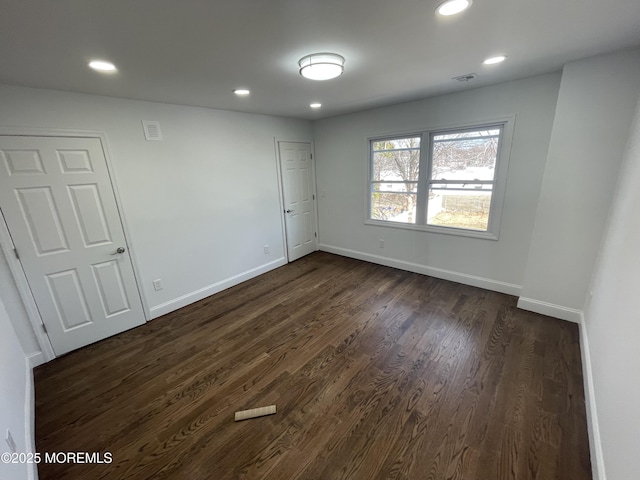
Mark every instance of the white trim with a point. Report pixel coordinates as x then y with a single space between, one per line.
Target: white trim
550 309
593 426
29 414
7 244
448 126
475 281
36 359
46 350
315 192
131 250
461 232
283 225
214 288
18 131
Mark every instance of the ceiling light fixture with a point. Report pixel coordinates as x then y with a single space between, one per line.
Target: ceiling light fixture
494 60
315 105
451 7
321 66
242 92
102 66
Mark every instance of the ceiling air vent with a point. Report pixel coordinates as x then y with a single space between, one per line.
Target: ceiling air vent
151 130
465 78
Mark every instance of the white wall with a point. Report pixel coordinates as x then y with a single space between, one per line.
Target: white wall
595 107
15 399
341 150
613 324
199 205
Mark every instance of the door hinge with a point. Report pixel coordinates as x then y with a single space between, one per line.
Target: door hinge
44 327
315 234
15 250
311 156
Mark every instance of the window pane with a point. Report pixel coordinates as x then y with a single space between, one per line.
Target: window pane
396 143
460 208
493 132
396 160
393 207
465 155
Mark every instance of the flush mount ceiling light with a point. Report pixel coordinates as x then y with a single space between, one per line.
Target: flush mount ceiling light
494 60
315 105
241 92
451 7
102 66
321 66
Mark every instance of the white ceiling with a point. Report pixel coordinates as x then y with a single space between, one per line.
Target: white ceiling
195 52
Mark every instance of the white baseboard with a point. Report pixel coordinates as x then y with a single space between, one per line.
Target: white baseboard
29 412
595 444
209 290
32 360
487 283
35 359
550 309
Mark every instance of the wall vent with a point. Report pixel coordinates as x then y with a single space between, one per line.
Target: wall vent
151 130
465 78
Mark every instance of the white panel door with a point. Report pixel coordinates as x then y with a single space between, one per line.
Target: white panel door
59 205
298 184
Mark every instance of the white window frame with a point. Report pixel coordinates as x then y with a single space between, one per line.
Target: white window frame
506 124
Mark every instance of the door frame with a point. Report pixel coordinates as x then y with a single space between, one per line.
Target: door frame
7 246
277 142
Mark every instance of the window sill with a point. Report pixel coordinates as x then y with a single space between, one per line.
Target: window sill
460 232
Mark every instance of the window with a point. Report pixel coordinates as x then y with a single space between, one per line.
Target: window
449 181
395 168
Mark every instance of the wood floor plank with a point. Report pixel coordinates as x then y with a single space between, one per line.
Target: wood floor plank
377 373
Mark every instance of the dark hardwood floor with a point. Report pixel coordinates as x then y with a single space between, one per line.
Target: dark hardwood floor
377 373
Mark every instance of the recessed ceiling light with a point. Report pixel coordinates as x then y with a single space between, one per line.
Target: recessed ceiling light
321 66
315 105
241 91
494 60
102 66
451 7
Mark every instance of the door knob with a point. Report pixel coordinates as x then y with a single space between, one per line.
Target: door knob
288 211
119 250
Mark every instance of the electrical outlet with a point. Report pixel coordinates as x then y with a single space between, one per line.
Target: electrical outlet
157 285
267 250
381 243
11 442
